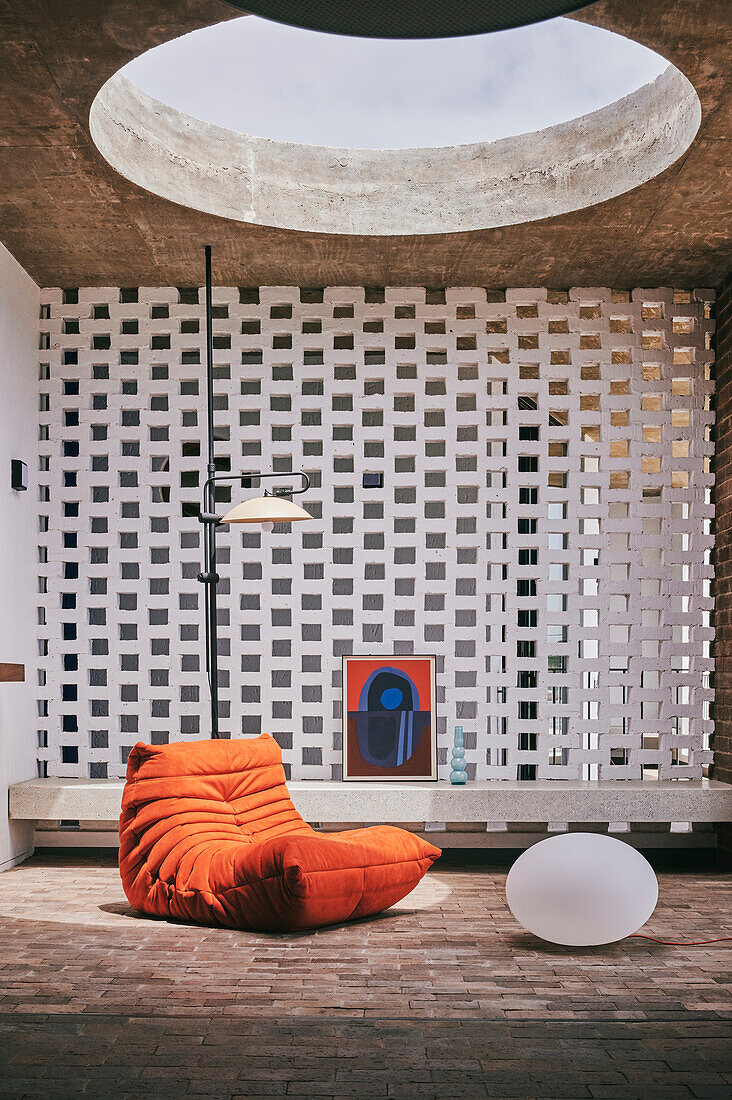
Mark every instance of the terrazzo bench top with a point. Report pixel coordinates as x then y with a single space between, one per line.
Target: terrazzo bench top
703 800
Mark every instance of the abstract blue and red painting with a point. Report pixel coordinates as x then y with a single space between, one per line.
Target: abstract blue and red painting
389 721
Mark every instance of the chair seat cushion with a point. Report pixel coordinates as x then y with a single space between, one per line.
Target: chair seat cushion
208 833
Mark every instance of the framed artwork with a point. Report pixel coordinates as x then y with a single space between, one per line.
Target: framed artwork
389 720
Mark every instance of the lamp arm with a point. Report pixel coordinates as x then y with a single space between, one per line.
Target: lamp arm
208 517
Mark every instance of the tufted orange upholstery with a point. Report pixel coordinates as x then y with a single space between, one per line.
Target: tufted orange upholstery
208 833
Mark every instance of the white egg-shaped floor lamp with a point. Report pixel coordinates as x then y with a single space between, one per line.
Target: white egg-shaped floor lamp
581 889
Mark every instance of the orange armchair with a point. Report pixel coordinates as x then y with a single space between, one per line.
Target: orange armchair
208 833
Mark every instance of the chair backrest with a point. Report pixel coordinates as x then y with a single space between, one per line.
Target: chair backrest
187 794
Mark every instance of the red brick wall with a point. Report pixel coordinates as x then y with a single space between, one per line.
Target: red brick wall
722 711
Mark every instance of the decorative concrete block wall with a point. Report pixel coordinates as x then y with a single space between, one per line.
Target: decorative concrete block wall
544 526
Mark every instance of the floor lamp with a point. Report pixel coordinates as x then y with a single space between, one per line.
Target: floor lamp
268 509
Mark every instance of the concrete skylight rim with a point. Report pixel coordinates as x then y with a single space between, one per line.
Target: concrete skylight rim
342 191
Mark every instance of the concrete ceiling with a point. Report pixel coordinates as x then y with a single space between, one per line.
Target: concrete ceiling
71 220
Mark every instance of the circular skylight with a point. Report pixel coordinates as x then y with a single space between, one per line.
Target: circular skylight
279 82
270 125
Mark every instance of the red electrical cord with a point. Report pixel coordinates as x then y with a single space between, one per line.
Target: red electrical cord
678 943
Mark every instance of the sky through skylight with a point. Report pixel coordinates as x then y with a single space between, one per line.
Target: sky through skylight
288 84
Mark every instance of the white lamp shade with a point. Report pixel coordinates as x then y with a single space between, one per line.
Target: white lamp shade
266 510
581 889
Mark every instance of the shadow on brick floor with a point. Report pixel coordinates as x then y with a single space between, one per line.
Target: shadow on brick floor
69 1056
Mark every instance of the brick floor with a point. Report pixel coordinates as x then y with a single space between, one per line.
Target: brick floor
444 996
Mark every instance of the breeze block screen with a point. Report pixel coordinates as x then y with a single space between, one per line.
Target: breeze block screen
543 524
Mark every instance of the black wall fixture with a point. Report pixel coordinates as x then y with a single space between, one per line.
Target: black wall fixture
18 475
407 18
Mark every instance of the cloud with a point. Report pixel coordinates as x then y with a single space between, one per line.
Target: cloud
294 85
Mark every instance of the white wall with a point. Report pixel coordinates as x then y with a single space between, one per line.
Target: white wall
19 306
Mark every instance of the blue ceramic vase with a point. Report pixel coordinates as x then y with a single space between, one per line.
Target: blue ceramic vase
459 774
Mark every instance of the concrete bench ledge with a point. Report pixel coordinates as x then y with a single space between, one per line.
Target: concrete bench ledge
572 801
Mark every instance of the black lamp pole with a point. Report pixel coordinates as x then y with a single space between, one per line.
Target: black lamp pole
209 577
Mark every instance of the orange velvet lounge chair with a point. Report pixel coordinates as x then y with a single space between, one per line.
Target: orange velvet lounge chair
208 834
